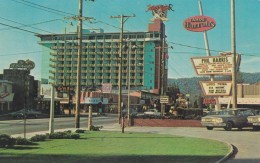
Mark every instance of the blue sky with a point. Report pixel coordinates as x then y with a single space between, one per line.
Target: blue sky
20 45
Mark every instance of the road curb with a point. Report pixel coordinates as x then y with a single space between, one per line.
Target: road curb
229 154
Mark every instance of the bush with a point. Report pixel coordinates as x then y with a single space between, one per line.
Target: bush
95 128
6 141
74 136
23 141
38 138
64 135
80 131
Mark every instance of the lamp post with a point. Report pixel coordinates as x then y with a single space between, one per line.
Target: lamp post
129 81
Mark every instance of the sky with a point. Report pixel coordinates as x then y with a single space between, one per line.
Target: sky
20 20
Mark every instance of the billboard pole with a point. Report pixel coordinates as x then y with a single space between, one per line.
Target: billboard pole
233 44
206 43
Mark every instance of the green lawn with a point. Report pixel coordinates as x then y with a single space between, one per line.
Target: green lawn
104 146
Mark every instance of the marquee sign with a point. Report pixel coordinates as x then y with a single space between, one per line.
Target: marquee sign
216 88
199 23
106 87
21 64
214 65
160 11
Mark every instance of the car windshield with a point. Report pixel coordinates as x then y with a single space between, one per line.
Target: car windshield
228 112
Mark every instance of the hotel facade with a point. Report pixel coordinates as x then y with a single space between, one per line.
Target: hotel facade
143 54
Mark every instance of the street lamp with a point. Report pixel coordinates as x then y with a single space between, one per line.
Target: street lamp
129 79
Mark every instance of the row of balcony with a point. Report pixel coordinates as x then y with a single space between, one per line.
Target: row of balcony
95 77
98 83
94 59
97 52
91 46
95 65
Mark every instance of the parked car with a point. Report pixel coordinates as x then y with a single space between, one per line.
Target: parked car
228 119
133 112
29 113
254 121
152 113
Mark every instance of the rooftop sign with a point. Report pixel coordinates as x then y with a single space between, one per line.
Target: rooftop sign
199 23
216 88
21 64
213 65
160 11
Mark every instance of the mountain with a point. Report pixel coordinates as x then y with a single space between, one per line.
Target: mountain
192 86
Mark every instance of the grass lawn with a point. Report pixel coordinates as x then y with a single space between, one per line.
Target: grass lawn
111 147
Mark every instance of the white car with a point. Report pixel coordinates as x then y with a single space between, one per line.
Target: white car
152 113
255 121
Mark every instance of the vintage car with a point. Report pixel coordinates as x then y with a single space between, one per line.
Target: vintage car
255 121
152 113
228 119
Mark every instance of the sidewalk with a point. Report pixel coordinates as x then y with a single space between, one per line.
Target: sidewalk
108 127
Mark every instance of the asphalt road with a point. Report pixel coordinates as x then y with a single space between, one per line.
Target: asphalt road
12 127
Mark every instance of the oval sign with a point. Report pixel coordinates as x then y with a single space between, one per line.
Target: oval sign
199 23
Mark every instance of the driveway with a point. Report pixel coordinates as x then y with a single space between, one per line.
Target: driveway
246 141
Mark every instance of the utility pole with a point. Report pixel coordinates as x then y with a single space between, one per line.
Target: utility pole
122 21
51 122
78 82
233 44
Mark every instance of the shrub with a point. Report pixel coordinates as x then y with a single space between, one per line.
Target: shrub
80 131
64 135
38 138
74 136
23 141
95 128
6 141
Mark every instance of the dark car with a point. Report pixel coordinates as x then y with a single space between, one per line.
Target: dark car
228 119
29 113
132 111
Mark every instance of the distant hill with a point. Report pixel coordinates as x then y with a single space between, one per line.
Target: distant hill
191 85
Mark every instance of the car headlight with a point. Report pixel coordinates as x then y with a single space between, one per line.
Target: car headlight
253 119
218 120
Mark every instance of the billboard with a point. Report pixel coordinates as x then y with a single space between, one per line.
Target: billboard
21 64
199 23
160 11
214 65
216 88
106 87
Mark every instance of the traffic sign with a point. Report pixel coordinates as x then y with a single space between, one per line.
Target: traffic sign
164 99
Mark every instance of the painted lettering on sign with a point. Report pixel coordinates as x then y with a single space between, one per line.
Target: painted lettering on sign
214 65
199 23
216 88
21 64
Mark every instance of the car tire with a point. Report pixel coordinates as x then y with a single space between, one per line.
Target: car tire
228 126
209 128
255 128
240 128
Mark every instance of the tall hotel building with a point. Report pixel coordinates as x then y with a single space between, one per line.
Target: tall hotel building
100 58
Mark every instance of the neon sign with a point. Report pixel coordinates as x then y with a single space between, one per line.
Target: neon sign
160 11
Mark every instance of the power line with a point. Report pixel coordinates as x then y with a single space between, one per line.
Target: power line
19 28
48 8
23 53
33 6
29 25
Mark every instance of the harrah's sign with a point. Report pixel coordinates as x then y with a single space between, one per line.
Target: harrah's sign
199 23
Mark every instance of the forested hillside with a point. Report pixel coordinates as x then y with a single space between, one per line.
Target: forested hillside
191 85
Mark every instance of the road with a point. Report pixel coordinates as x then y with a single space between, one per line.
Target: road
12 127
